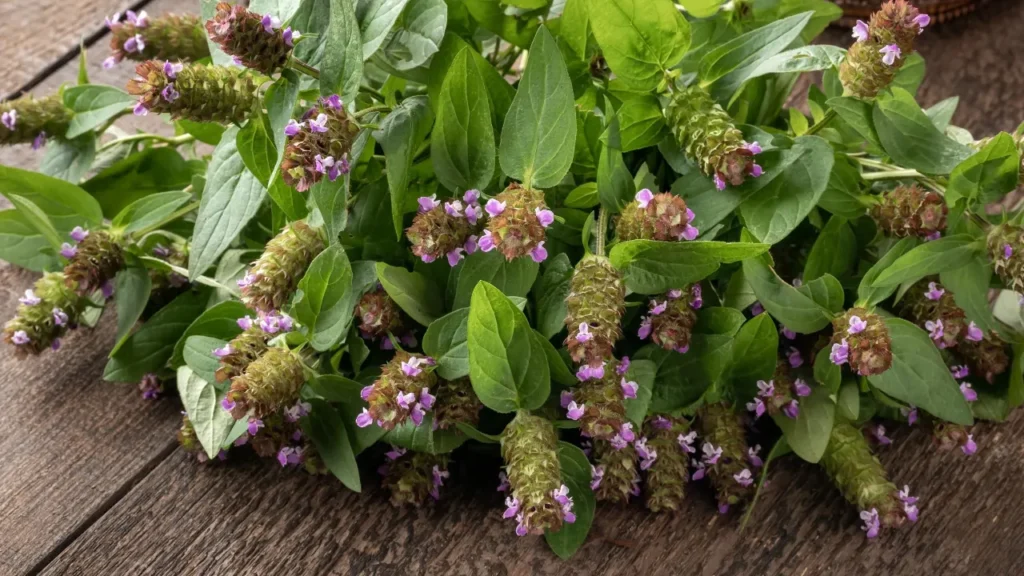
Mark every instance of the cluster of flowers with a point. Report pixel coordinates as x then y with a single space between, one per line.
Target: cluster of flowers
318 144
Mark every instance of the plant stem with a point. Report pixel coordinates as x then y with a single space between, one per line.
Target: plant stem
372 92
370 109
891 175
306 69
819 125
602 230
171 140
170 218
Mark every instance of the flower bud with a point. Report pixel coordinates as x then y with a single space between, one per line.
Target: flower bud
881 48
986 357
517 225
723 434
529 446
319 145
910 211
194 91
411 477
28 119
94 263
401 392
931 307
858 474
614 477
456 402
1006 251
862 339
272 279
256 41
663 217
602 400
668 474
442 229
151 387
44 315
269 384
707 135
167 37
671 319
241 351
595 305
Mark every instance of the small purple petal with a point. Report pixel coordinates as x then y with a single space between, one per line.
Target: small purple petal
539 253
969 447
629 389
801 389
494 208
39 141
20 337
974 334
30 298
68 251
861 31
856 325
840 353
545 217
889 54
644 197
364 419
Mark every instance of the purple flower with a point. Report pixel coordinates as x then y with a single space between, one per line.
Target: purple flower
545 217
364 419
584 334
756 170
961 371
889 54
861 31
934 291
9 119
494 208
454 256
471 196
135 44
645 328
55 345
343 166
246 280
254 426
647 455
160 251
675 294
922 20
969 394
933 236
365 392
744 477
20 337
719 182
30 298
169 93
879 434
969 447
394 453
453 209
270 23
411 367
539 253
626 432
1007 251
486 242
470 244
909 504
658 309
427 399
318 125
801 388
140 20
756 309
871 522
788 334
111 20
661 423
754 148
623 366
935 329
333 102
596 475
794 357
683 349
697 300
711 453
293 128
565 398
754 456
766 389
686 442
39 141
60 318
588 372
974 334
290 36
792 410
107 290
511 507
473 213
618 442
698 474
407 399
910 413
222 351
644 197
227 404
629 388
141 110
245 322
689 233
275 322
757 407
856 325
171 69
840 353
300 409
68 251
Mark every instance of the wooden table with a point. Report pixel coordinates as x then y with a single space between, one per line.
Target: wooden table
92 482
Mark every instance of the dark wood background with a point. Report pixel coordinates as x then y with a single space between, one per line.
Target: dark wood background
92 482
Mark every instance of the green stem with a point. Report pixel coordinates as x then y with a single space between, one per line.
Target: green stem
602 230
306 69
371 109
372 92
819 125
170 218
891 175
106 125
171 140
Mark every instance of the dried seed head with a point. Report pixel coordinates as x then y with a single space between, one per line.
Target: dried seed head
270 383
256 41
279 436
662 217
167 37
595 305
862 339
456 402
986 357
272 279
668 474
97 259
931 307
27 119
671 319
402 392
529 446
910 211
195 92
615 476
378 314
442 230
603 400
44 315
707 135
319 145
241 351
412 477
1006 251
721 428
517 225
881 48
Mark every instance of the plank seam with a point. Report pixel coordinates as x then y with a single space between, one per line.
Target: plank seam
104 507
68 56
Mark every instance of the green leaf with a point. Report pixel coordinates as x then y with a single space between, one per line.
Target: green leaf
92 106
345 392
560 372
416 37
640 39
848 400
491 16
218 321
477 435
199 398
326 429
498 89
969 285
539 135
149 211
65 204
804 59
36 218
399 135
507 365
582 196
942 112
826 373
280 102
462 144
987 175
909 137
151 346
834 252
856 113
331 199
206 132
809 433
842 195
139 175
131 293
446 342
550 292
342 68
785 303
22 245
69 159
514 278
424 438
867 293
412 291
283 9
576 476
652 267
643 372
231 198
826 291
198 355
730 64
324 307
615 186
575 26
754 352
911 74
919 376
256 147
947 253
376 17
641 123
